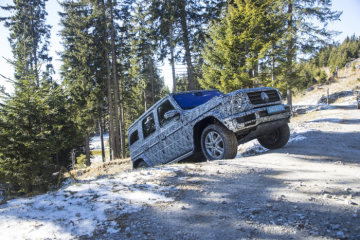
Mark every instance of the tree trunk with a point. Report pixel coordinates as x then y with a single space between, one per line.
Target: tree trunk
33 57
35 62
185 37
172 60
272 66
152 80
111 152
57 160
123 149
87 149
290 54
72 155
102 138
122 119
116 85
171 43
145 102
109 86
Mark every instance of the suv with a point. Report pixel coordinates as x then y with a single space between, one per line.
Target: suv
208 124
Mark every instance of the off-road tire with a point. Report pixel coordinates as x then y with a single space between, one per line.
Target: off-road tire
277 138
228 138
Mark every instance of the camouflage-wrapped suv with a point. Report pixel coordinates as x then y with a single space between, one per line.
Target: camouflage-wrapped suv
208 124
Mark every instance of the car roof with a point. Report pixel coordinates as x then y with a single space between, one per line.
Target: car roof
193 91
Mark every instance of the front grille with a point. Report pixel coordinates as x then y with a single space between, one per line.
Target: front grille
255 97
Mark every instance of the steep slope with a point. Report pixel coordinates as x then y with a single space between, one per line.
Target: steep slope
347 80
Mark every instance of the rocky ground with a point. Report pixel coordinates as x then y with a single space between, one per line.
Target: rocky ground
310 189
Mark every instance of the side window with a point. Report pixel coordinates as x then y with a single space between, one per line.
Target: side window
148 125
162 109
134 137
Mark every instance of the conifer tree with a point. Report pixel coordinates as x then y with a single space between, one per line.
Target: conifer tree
81 69
146 80
302 34
34 120
182 32
238 43
29 38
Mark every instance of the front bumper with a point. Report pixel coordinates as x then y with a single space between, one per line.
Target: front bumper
252 118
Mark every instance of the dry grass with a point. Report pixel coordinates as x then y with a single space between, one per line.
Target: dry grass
348 79
100 169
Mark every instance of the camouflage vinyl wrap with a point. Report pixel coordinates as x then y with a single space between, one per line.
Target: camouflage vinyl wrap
175 140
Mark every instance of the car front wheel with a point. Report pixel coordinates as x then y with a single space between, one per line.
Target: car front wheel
217 142
277 138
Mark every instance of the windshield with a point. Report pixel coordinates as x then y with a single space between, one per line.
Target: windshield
191 100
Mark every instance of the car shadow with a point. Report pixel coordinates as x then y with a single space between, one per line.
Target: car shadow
337 120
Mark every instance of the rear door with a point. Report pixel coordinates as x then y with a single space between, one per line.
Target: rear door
151 145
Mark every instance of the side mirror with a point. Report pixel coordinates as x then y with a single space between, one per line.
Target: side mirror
170 114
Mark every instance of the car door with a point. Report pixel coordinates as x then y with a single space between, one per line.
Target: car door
151 145
173 137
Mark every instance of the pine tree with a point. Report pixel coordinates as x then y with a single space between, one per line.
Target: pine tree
302 35
182 31
238 43
29 38
35 124
80 70
144 72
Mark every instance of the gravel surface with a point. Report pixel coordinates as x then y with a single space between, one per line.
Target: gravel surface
310 189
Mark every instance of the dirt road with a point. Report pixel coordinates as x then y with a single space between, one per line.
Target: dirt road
310 189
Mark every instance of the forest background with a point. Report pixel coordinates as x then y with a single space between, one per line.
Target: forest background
107 70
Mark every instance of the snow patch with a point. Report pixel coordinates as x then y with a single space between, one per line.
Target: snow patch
250 149
95 141
297 138
80 209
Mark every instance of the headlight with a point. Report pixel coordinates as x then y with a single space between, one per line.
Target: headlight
236 103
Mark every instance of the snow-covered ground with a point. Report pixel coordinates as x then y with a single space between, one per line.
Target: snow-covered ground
95 142
81 209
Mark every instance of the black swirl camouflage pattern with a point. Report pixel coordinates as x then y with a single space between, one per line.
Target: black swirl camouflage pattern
242 111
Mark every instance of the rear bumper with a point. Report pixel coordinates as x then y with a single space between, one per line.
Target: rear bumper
244 121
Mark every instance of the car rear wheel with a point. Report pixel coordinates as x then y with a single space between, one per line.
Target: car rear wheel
142 164
277 138
217 142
